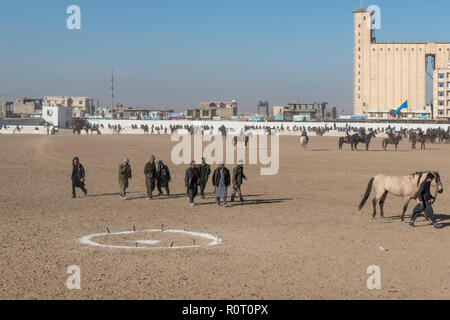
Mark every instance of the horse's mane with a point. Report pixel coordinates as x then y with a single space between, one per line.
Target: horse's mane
420 174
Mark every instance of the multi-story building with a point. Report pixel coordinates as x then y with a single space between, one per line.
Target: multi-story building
211 110
441 93
81 106
388 74
6 109
301 111
262 108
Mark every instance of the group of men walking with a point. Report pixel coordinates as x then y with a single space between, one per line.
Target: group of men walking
198 176
157 176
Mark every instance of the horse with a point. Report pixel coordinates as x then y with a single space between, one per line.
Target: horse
391 140
304 140
343 140
400 186
355 139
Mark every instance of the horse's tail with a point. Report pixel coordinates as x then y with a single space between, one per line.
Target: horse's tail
341 142
367 194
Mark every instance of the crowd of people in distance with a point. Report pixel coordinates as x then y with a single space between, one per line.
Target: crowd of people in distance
157 176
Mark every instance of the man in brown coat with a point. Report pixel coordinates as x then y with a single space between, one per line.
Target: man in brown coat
124 175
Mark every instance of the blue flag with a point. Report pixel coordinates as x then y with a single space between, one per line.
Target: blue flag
403 106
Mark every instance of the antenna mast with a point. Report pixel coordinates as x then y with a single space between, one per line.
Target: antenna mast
112 88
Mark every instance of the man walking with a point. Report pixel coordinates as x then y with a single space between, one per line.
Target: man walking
238 177
191 181
78 176
124 175
426 200
221 181
150 176
162 177
205 171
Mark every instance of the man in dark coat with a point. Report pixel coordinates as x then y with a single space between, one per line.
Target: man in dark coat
150 176
238 177
124 175
78 176
162 177
426 200
191 181
221 181
205 171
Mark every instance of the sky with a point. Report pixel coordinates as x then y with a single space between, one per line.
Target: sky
176 53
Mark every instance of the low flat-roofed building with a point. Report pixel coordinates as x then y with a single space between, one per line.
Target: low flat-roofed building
425 114
147 114
25 107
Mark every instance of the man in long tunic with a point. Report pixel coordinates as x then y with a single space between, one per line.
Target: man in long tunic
221 181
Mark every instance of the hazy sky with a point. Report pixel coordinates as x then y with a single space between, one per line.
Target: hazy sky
175 53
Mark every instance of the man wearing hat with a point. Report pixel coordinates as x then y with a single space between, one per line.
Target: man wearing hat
150 176
191 181
205 171
221 181
78 175
238 177
124 175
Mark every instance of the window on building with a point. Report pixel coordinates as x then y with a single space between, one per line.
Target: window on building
441 84
441 103
441 93
441 112
441 76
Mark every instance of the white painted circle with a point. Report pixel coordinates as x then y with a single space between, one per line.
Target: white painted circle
89 239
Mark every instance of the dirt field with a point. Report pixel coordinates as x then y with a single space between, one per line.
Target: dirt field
297 236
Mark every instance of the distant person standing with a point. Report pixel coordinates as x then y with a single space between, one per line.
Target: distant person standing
150 176
78 177
238 177
191 181
425 203
221 181
162 177
124 175
205 171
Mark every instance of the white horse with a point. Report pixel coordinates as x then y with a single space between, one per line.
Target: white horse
304 141
404 186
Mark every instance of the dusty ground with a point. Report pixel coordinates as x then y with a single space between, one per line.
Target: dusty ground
298 236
